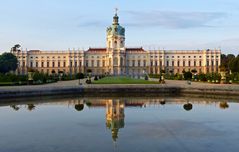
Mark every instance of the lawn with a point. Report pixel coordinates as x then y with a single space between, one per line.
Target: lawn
122 80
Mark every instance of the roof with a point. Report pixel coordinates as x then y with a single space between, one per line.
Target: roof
96 50
135 49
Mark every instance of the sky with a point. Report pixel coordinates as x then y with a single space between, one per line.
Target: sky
152 24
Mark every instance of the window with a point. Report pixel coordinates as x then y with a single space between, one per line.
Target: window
139 63
160 63
212 63
42 64
92 63
194 56
59 64
184 63
23 64
178 63
133 63
172 63
207 63
48 64
103 63
151 63
70 63
98 63
31 64
53 64
189 56
156 63
75 64
200 63
216 63
80 64
194 63
167 63
64 64
86 63
144 63
37 64
189 63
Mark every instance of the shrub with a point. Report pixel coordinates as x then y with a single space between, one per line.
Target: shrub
88 81
96 78
188 75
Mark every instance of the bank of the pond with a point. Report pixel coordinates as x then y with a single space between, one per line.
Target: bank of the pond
171 87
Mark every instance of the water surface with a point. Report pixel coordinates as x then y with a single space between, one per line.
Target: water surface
136 124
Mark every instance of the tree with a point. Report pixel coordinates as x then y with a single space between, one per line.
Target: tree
16 48
81 76
234 64
8 62
187 75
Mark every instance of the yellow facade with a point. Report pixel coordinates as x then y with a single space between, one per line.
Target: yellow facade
116 59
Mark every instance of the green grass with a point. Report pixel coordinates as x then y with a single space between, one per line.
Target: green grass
122 80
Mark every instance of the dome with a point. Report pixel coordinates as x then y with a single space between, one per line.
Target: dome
115 28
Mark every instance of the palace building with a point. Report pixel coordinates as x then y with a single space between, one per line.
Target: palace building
117 59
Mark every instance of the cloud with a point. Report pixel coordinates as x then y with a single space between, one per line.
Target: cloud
173 19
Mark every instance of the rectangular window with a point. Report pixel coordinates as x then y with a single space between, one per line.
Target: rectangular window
184 63
212 63
37 64
86 63
42 64
98 63
200 63
80 64
172 63
144 63
195 63
178 63
151 63
189 63
75 63
59 64
53 64
216 63
167 63
92 63
23 64
103 63
207 63
31 64
161 63
64 64
139 63
48 64
156 63
70 63
133 64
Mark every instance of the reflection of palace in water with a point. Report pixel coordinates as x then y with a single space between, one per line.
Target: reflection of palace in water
115 107
115 116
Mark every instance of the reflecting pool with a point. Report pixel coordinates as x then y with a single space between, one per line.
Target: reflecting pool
133 124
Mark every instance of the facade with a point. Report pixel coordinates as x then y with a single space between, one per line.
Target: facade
117 59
